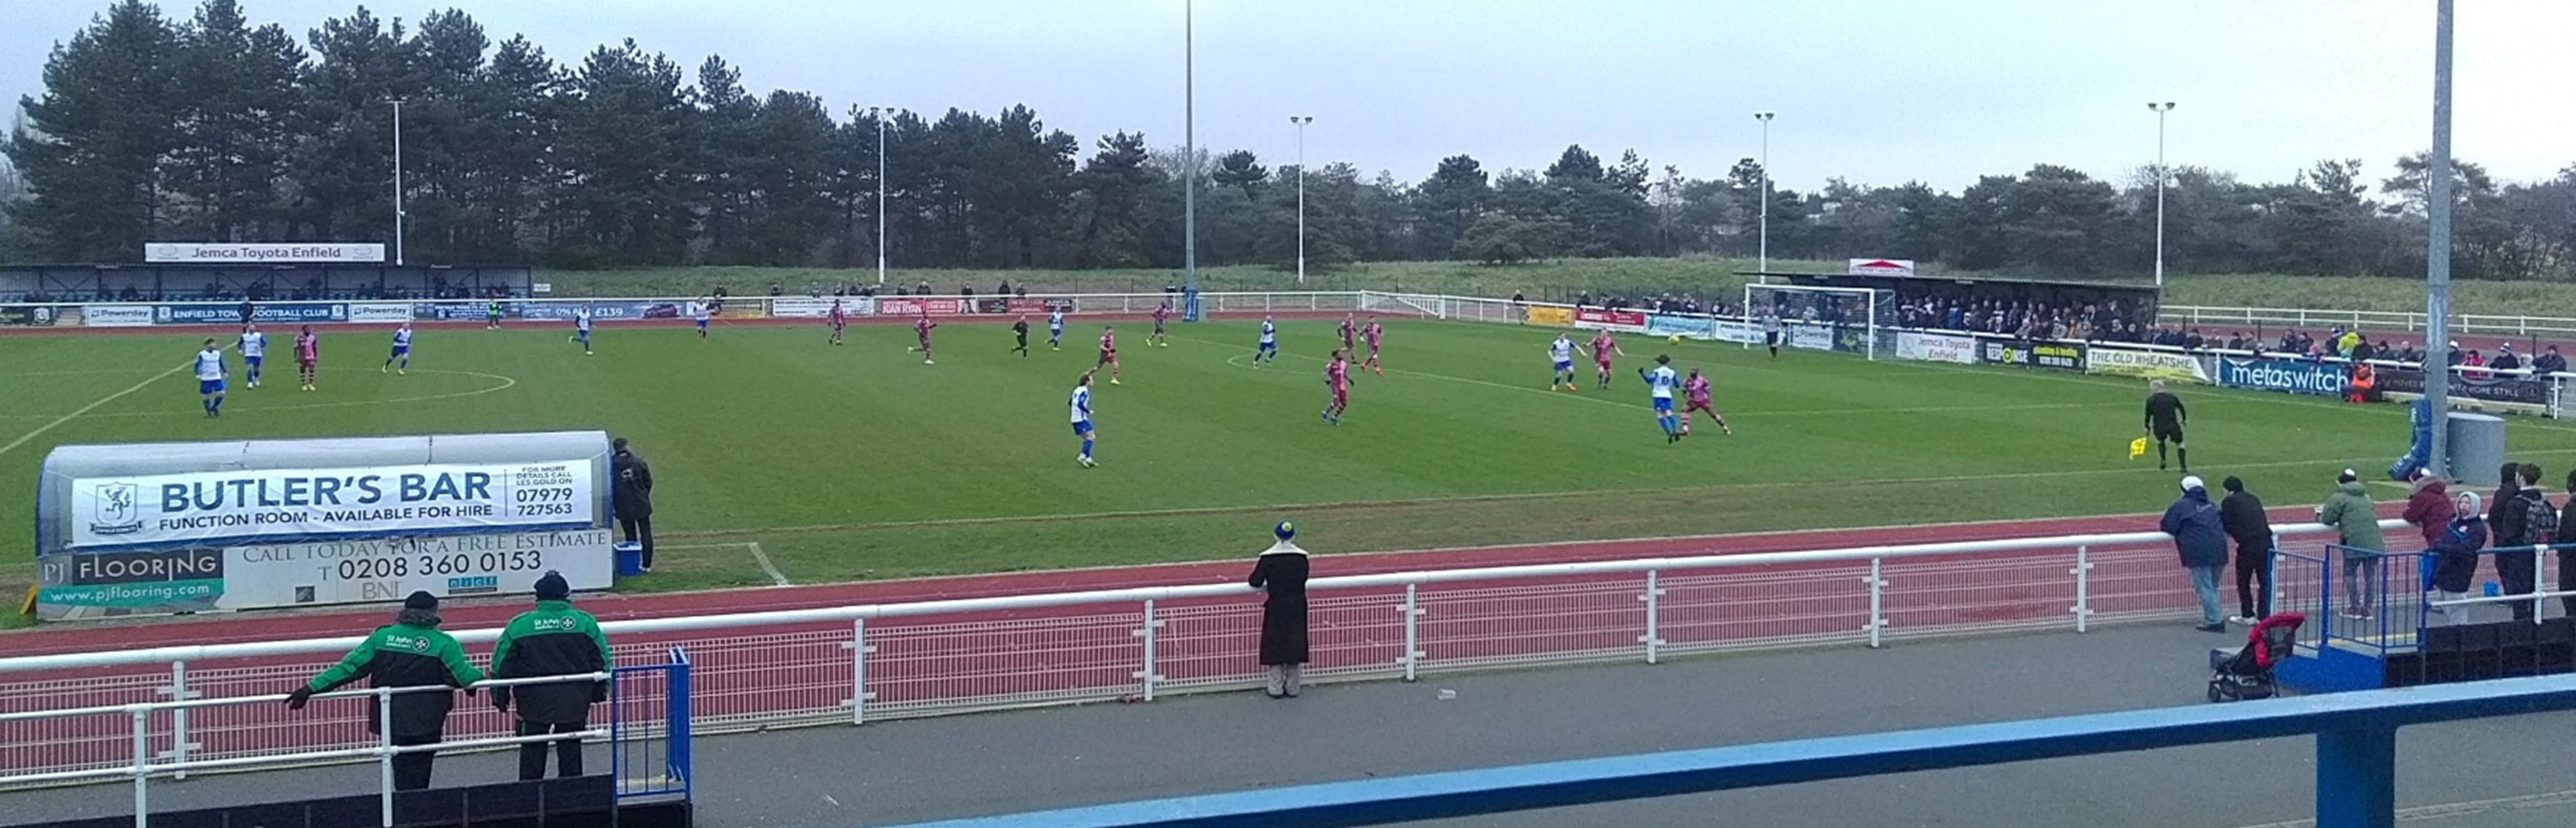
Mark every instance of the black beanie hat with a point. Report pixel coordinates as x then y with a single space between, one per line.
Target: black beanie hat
421 600
2232 484
552 587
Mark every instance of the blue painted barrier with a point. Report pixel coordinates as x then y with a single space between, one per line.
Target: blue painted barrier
2356 762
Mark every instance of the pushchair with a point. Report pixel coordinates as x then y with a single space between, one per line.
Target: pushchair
2248 675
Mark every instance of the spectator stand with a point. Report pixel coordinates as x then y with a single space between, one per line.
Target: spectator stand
2030 309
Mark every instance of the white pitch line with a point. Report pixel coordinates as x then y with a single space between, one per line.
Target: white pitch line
776 578
57 421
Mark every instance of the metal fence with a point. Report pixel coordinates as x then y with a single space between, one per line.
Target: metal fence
851 664
648 731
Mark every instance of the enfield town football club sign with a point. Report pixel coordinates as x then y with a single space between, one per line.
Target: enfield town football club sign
1882 267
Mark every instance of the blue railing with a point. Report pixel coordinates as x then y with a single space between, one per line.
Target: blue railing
2356 762
649 749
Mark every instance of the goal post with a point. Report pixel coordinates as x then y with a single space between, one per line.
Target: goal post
1856 320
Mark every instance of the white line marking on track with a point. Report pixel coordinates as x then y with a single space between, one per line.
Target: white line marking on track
776 578
2457 809
57 421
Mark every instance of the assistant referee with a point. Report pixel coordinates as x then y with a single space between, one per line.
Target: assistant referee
2165 418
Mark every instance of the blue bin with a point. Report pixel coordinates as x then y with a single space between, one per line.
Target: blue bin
630 559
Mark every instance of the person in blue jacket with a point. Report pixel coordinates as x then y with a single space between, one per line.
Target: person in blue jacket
2193 522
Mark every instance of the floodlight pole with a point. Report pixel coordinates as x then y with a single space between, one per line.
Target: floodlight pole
2161 175
1301 121
1189 163
398 183
1763 264
881 189
2437 251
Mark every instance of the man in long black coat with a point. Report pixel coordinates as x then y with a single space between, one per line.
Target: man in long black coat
631 495
1281 573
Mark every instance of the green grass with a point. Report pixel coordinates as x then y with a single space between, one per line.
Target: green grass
1562 278
860 462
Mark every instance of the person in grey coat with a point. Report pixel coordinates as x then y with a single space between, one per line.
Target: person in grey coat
2194 523
1281 574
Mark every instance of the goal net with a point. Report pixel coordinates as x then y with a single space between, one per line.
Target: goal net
1854 320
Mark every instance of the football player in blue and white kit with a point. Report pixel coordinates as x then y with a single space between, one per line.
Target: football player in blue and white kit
1269 351
1561 352
402 350
1055 331
1081 405
254 348
1660 383
581 328
702 310
210 378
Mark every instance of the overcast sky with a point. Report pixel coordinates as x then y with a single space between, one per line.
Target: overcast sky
1878 92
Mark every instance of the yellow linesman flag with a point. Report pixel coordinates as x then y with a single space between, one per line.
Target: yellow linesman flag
2137 448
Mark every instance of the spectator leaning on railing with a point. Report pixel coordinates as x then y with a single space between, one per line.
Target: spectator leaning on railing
411 652
2351 513
2200 536
552 640
2549 362
2241 514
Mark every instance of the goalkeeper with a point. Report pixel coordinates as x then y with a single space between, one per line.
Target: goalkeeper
2164 422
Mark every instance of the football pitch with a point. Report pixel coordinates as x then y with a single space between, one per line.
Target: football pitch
860 462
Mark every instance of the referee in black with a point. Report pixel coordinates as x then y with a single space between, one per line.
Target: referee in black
2165 418
1020 328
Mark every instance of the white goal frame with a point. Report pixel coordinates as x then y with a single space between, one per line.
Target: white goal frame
1876 300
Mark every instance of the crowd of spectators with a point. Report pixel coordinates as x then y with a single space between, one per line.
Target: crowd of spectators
1671 303
2108 320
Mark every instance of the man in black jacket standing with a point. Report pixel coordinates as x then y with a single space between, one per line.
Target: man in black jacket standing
552 640
2242 515
633 497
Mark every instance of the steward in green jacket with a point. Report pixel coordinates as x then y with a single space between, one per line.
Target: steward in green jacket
411 652
552 640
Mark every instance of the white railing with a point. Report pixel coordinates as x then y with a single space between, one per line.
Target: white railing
141 763
2462 324
852 663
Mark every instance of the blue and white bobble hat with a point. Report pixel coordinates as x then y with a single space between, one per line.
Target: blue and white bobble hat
1286 530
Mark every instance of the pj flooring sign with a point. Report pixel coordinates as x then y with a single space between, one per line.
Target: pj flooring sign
280 505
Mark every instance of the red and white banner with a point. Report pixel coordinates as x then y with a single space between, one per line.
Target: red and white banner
1882 267
1623 321
907 306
